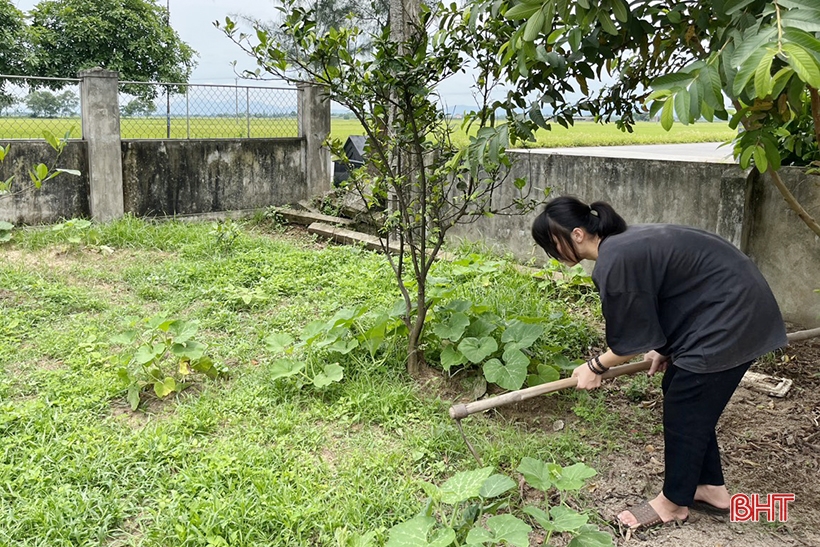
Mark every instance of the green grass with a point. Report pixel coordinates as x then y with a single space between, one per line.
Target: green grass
242 461
581 134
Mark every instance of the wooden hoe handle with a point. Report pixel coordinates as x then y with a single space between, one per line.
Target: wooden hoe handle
458 412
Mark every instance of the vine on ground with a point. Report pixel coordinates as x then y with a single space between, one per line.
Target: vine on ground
162 355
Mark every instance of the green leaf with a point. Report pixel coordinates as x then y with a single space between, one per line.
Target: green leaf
451 357
565 519
51 139
464 485
731 6
133 396
182 330
574 476
753 41
804 39
591 538
125 338
145 353
803 64
415 531
694 100
509 529
619 8
191 349
800 4
278 342
496 485
746 157
772 153
165 387
534 26
508 377
747 70
433 492
454 328
803 19
282 368
334 372
41 170
761 162
535 473
514 357
545 373
542 518
715 87
606 23
676 80
479 536
682 102
763 75
667 114
524 334
478 349
483 325
522 11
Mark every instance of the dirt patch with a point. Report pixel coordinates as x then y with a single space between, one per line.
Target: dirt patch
768 445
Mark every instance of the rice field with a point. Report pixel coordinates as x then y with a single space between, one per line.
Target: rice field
582 134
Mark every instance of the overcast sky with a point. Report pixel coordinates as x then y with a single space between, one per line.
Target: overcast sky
193 20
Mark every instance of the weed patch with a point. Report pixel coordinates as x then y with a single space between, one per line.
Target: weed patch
250 459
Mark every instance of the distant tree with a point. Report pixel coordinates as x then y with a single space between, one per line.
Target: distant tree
12 49
139 106
45 104
132 37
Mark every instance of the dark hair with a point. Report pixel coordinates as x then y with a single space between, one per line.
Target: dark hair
564 214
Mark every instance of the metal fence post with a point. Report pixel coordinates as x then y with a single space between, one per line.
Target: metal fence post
101 129
187 112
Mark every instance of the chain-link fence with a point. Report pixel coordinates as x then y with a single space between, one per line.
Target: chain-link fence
29 106
205 111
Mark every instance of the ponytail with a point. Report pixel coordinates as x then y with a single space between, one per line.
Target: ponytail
564 214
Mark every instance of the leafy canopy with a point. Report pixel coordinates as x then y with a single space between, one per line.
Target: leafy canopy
132 37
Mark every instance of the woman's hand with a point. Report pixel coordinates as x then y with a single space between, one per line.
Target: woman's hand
586 378
659 362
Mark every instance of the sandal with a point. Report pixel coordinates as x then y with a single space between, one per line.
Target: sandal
708 508
648 518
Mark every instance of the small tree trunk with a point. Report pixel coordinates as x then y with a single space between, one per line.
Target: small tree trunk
793 203
415 355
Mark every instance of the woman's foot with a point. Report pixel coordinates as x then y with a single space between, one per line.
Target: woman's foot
716 496
666 510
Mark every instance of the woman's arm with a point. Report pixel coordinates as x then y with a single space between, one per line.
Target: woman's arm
587 379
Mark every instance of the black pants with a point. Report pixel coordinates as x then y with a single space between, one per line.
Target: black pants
692 405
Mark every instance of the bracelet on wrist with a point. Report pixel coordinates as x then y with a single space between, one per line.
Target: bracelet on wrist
601 367
594 369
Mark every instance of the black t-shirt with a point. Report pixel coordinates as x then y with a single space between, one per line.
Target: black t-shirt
688 294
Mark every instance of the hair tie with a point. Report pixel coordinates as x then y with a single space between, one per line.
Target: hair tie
593 211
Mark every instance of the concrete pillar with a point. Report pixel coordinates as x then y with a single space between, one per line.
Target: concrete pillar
314 127
733 207
101 129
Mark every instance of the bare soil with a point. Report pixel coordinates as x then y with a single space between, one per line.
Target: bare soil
768 445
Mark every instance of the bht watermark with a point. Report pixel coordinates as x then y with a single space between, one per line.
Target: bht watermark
774 507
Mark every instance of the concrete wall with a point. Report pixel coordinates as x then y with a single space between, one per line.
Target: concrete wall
717 197
65 196
202 176
785 250
169 177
